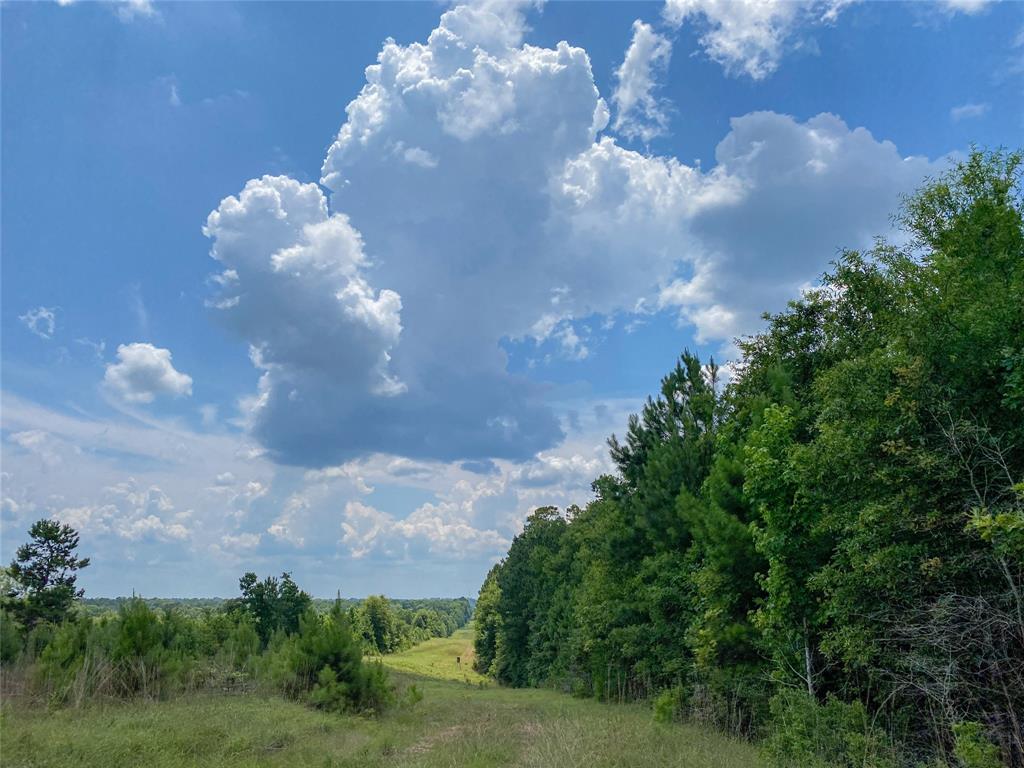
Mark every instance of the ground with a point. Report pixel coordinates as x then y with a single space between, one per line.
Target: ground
462 722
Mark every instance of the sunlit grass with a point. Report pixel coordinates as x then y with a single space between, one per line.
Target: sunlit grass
443 658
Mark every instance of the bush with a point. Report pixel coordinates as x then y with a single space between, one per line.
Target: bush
138 652
835 734
669 705
153 653
973 749
323 663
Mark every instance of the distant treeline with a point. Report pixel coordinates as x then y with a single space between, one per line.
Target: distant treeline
274 636
827 552
385 624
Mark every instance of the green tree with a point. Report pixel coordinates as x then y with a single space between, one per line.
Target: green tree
381 625
273 604
44 571
487 622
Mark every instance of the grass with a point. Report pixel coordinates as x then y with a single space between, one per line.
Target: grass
458 724
443 658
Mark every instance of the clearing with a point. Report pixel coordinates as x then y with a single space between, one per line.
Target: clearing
462 722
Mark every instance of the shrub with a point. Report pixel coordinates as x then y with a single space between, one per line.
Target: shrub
137 652
669 705
323 663
973 749
835 734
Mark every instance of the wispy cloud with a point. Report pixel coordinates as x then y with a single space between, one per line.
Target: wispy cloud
969 111
639 113
42 321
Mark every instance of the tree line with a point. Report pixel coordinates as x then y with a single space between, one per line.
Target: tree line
273 636
827 552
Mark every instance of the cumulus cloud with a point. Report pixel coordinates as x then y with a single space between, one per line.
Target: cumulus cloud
551 469
131 512
429 529
834 187
750 37
142 372
639 113
286 526
473 201
42 321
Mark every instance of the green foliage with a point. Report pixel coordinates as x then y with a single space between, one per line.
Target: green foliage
831 735
139 651
273 605
382 630
10 638
844 519
973 749
323 663
487 624
43 574
670 705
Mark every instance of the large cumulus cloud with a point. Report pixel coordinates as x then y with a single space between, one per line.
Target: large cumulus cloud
472 199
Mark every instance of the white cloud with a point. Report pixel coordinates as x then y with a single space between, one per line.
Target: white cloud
549 469
130 10
969 111
835 187
42 321
50 449
294 289
430 529
639 113
133 487
240 541
225 478
130 512
142 372
968 7
750 37
377 317
285 526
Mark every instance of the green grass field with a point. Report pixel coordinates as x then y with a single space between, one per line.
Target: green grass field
459 723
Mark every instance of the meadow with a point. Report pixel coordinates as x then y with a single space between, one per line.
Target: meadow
461 720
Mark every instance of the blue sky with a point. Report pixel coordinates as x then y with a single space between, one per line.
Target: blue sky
264 308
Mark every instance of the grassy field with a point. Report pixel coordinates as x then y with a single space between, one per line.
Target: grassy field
458 724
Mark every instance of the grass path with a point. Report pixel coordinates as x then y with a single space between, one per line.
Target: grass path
443 658
458 724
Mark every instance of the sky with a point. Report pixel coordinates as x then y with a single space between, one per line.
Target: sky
348 289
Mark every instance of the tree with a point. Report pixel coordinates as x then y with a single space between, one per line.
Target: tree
487 624
381 624
273 604
44 571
